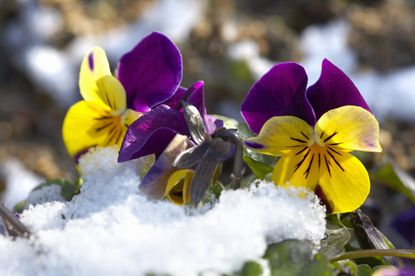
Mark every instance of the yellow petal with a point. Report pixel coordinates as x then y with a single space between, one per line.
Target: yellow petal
98 85
280 135
87 125
298 169
349 128
345 186
178 187
130 116
112 93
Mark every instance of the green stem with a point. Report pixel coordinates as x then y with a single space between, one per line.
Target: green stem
367 253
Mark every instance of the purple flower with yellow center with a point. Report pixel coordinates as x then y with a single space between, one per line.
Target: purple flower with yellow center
313 130
147 76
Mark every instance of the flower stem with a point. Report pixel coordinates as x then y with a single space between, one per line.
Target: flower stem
367 253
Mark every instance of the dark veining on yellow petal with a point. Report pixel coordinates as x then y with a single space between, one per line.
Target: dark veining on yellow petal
305 136
307 172
334 159
306 147
298 140
335 151
302 161
328 165
331 136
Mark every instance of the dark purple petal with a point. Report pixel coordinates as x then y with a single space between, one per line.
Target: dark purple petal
280 92
195 96
152 132
405 225
175 101
151 72
333 89
155 182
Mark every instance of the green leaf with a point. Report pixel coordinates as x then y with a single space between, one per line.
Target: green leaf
363 270
396 179
251 268
244 131
258 168
320 266
288 257
333 244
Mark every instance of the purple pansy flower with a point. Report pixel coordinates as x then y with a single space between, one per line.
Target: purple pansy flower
283 91
313 130
153 131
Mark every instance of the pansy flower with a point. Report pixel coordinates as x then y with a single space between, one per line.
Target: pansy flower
147 76
153 131
313 130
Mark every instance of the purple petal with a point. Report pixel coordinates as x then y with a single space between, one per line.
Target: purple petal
175 101
152 132
280 92
151 72
333 89
155 181
197 98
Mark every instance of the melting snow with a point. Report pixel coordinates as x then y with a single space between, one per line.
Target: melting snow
110 228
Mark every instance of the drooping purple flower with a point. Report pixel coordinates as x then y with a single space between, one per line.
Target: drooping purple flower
283 91
151 72
153 131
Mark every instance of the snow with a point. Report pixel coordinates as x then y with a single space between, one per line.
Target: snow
110 228
19 182
388 95
55 71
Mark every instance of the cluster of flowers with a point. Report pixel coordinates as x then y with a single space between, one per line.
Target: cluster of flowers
144 110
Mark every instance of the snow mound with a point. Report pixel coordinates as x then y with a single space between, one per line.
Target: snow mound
110 228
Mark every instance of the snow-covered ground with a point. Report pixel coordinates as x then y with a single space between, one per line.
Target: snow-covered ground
110 228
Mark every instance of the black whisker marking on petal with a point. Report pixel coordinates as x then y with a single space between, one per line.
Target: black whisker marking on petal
98 129
102 118
295 146
335 144
302 133
331 136
319 161
337 163
321 135
112 133
302 161
327 164
301 150
335 151
298 140
307 172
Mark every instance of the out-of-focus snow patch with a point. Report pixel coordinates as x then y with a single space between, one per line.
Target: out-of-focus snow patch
110 228
387 94
327 41
19 182
52 69
248 51
56 71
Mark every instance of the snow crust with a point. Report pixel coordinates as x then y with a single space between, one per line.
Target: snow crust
19 182
110 228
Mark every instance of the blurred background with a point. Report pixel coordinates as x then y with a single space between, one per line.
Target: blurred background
227 43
